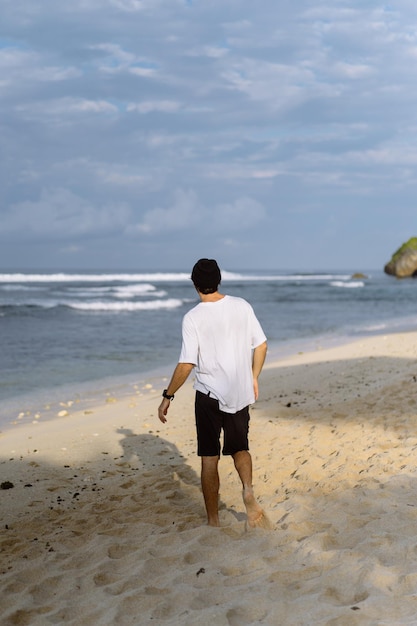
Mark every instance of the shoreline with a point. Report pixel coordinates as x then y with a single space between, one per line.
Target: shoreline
47 404
105 520
51 403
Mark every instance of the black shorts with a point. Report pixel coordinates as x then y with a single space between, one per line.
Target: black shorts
210 421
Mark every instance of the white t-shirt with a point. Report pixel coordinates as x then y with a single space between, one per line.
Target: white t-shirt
219 338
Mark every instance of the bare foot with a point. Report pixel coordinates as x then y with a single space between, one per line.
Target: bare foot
257 517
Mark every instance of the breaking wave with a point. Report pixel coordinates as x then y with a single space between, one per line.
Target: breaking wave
98 305
349 285
160 277
116 307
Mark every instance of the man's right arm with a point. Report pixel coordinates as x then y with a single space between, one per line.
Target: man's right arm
180 375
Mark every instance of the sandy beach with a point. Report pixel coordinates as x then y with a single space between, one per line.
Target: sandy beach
102 517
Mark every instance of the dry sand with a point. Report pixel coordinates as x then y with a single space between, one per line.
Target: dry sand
105 522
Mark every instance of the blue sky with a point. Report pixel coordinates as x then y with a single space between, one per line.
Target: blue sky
143 134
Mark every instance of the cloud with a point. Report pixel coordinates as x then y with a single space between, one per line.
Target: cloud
136 117
276 85
17 65
115 59
187 213
63 108
129 5
353 70
241 214
163 106
62 214
184 214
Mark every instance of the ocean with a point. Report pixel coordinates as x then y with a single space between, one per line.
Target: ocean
79 335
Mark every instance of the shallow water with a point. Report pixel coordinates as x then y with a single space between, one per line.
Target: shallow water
63 334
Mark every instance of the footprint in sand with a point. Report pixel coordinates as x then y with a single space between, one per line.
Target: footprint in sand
23 617
119 552
243 616
104 578
344 597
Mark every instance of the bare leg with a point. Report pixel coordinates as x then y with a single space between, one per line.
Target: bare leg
210 484
255 514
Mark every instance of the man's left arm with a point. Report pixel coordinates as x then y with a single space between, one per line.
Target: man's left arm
258 360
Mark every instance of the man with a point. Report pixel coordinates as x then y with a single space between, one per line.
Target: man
223 340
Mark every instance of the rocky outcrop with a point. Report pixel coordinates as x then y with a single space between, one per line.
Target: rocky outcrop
403 262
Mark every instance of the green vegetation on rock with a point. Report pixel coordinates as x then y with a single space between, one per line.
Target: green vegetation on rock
411 244
403 262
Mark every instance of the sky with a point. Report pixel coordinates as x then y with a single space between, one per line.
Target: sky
145 134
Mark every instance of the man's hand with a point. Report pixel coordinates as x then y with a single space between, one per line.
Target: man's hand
163 410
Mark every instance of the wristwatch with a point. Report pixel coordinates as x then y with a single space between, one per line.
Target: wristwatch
165 395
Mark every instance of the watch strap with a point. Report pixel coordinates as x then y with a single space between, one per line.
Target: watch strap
166 395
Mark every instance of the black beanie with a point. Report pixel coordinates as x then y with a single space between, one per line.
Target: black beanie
206 274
